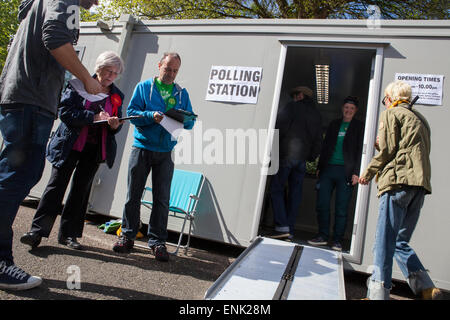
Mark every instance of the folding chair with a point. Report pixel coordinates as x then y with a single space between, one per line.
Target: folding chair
184 195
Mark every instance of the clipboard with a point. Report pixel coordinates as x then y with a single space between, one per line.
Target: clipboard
180 115
120 119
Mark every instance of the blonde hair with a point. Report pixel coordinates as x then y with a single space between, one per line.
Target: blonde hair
398 90
109 59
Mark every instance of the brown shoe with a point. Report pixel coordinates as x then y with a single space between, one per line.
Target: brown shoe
432 294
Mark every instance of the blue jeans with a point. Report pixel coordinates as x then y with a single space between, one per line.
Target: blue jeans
333 176
141 163
25 130
398 215
285 213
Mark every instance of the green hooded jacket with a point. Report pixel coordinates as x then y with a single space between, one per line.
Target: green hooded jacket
404 151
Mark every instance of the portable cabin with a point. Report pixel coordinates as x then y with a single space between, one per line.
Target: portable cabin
238 74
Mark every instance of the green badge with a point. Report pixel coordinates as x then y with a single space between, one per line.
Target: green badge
171 102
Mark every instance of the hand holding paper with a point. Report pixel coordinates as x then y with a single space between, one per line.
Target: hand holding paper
102 116
158 116
79 87
114 122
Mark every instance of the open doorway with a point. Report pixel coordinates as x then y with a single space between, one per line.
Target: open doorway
350 73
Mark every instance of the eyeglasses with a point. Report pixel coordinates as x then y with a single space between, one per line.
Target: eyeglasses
384 100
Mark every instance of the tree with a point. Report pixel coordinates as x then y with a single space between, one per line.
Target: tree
251 9
275 9
8 25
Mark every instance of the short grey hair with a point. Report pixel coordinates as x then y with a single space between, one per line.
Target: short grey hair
109 59
398 90
170 54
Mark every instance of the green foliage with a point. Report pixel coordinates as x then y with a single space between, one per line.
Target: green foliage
8 25
254 9
274 9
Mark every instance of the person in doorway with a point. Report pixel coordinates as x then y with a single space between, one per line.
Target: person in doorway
79 145
30 88
338 169
152 150
403 172
300 133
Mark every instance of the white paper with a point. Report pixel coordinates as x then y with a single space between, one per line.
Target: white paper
234 84
172 126
427 86
79 87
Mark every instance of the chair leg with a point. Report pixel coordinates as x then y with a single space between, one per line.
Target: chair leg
180 238
189 234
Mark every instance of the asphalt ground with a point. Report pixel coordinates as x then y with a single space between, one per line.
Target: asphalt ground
98 273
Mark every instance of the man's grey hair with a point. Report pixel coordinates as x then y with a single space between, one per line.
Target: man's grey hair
170 54
109 59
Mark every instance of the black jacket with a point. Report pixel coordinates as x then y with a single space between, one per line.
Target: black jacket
300 129
352 146
74 117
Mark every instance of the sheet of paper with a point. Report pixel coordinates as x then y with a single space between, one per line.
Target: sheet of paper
172 126
79 87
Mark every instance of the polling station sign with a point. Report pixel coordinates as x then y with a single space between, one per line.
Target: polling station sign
427 86
234 84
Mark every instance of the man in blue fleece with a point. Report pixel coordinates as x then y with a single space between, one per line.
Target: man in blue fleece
30 88
152 150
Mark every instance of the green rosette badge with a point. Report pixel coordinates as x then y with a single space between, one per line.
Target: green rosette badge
171 102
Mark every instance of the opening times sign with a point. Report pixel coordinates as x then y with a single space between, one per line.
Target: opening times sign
427 86
234 84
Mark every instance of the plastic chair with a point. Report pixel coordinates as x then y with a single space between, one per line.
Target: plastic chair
185 190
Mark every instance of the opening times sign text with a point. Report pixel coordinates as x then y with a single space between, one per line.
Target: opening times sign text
427 86
234 84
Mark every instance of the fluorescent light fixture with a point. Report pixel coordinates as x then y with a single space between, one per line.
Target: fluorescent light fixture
322 82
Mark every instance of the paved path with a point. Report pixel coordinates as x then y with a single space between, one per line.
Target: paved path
106 275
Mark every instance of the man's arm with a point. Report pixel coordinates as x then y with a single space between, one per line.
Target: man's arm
68 59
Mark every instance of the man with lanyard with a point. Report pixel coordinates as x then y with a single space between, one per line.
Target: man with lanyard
152 149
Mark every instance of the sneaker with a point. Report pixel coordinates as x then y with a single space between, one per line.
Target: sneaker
123 245
32 239
279 235
318 241
336 246
14 278
432 294
160 252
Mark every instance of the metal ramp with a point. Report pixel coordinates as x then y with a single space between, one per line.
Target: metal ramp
277 270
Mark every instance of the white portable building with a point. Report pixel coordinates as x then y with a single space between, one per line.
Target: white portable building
238 74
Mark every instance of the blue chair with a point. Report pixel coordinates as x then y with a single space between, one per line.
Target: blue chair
185 190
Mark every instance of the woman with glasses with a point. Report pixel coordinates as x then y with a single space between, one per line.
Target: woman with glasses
403 170
79 146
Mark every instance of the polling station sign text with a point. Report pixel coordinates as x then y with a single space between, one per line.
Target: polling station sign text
234 84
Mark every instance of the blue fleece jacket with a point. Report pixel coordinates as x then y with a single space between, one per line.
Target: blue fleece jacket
147 100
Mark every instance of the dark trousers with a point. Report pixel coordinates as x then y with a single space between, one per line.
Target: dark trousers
140 164
285 212
25 130
72 217
333 177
